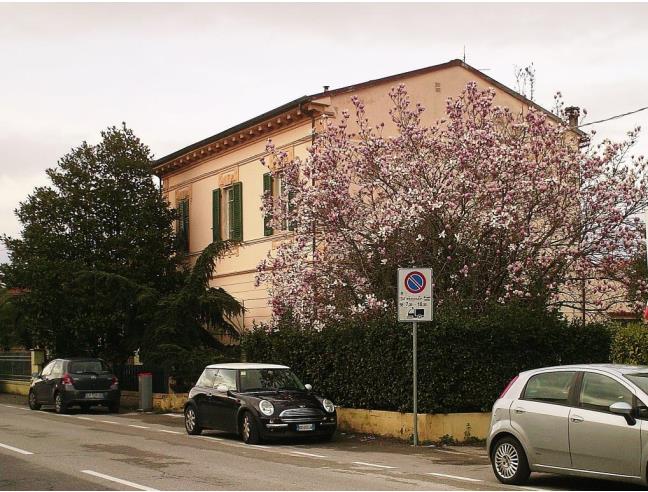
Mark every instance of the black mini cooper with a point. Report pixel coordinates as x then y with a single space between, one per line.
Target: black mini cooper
257 401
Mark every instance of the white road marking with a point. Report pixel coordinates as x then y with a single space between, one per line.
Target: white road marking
450 452
17 450
109 422
117 480
138 426
169 432
372 464
455 477
208 438
308 454
173 414
60 414
85 418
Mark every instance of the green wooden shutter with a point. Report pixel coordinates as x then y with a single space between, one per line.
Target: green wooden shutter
216 215
267 187
236 212
183 224
291 209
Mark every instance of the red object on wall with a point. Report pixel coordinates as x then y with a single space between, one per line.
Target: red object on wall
645 313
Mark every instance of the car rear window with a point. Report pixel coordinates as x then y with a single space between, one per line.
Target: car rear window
82 366
549 387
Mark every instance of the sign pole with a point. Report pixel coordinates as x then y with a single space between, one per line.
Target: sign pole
414 305
415 390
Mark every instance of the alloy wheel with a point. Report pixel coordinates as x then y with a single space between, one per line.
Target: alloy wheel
246 428
506 460
190 419
58 403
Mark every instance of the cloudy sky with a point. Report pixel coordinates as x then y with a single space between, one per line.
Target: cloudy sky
177 73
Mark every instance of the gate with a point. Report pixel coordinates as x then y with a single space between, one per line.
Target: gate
15 366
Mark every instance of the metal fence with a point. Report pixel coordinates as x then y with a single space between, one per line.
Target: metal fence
128 380
15 366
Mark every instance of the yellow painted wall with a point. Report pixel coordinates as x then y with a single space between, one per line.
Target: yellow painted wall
15 387
431 427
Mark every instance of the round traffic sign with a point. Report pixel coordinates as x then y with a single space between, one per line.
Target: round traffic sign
415 282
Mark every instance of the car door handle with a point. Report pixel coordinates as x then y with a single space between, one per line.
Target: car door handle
520 410
576 418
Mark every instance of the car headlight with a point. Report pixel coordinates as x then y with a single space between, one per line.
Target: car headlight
328 406
266 407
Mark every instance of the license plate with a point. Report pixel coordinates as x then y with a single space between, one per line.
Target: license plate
94 395
305 427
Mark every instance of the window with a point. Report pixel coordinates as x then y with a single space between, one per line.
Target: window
83 366
269 379
207 378
233 216
275 185
183 224
48 369
598 392
57 370
226 377
549 387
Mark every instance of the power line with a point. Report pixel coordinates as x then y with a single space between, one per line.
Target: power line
614 117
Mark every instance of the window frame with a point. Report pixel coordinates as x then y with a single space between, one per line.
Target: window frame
571 395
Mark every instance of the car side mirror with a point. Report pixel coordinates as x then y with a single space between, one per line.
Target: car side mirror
308 387
625 409
222 388
36 375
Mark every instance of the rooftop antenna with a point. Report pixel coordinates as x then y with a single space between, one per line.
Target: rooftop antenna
464 57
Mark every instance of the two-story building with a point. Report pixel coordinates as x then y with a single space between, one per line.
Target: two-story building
217 183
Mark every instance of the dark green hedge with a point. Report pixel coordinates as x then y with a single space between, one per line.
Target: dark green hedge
630 344
464 362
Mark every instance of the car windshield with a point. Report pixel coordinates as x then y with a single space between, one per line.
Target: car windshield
91 366
640 379
269 380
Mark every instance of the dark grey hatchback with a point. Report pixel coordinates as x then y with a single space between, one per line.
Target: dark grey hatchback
81 381
258 402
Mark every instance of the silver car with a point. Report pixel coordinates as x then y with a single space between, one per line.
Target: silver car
587 420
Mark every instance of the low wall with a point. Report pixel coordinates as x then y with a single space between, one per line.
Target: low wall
15 387
162 402
431 427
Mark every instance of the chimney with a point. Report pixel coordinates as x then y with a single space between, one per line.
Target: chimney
572 113
326 88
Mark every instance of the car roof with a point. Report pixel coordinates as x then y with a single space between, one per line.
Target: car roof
246 365
618 369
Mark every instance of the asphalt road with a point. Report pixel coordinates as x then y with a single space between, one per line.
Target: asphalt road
40 450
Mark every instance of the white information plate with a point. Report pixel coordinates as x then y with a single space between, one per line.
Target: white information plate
414 294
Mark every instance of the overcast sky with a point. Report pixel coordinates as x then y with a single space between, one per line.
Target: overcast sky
177 73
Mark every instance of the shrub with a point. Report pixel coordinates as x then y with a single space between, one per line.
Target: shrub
630 344
463 362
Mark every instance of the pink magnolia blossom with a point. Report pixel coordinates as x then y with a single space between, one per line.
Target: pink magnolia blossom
502 206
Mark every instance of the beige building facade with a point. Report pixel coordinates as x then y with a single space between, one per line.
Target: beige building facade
217 183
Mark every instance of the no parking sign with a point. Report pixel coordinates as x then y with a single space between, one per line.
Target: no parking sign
414 294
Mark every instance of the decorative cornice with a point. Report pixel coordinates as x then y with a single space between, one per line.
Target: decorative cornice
234 140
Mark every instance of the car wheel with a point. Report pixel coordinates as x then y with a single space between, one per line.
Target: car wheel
191 421
33 402
59 404
510 462
249 429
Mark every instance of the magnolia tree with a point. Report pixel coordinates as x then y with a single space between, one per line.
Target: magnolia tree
502 206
